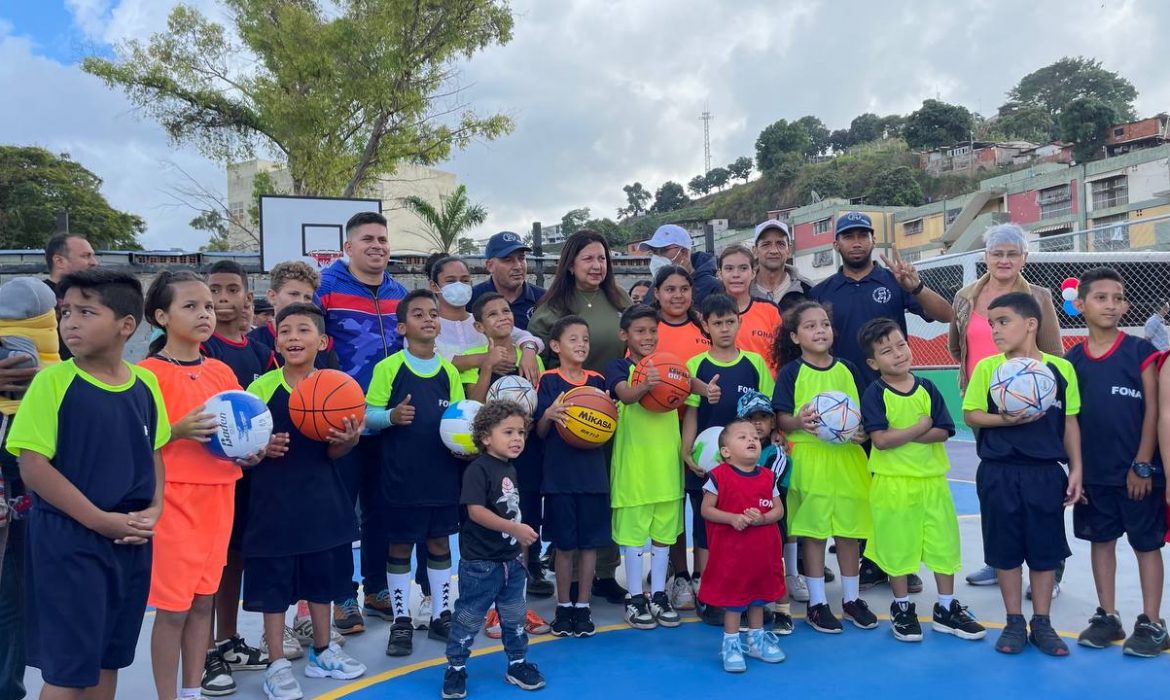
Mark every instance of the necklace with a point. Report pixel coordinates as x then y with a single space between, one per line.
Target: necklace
193 376
589 299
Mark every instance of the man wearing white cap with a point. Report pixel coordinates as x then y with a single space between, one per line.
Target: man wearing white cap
776 280
671 245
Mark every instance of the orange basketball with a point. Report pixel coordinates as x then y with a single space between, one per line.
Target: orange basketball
672 391
323 400
592 418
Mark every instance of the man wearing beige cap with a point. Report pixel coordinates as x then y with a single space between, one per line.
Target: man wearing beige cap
776 280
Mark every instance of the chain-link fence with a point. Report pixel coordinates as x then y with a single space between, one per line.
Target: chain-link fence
1139 251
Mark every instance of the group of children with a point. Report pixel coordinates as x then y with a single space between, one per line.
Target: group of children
777 483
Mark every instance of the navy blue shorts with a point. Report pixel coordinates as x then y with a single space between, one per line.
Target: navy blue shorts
698 525
240 520
86 597
1110 513
409 525
1022 515
272 584
577 521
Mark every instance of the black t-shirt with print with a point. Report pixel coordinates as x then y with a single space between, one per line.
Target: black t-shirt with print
491 483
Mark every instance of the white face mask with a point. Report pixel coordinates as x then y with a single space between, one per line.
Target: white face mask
657 262
456 293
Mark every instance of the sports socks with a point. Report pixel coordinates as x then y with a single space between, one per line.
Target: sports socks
439 576
944 601
398 580
633 562
816 590
850 588
790 551
659 560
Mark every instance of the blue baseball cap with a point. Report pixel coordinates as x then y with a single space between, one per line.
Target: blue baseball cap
851 220
504 244
752 402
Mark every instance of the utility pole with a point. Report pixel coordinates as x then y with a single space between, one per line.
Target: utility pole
706 118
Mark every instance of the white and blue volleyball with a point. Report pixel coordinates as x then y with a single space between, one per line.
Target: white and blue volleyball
840 419
455 427
244 425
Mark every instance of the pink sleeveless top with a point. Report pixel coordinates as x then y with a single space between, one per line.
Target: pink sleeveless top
979 342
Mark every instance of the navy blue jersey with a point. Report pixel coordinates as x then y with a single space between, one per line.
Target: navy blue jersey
101 438
1040 442
799 381
1112 406
417 468
303 485
569 469
248 360
265 336
746 372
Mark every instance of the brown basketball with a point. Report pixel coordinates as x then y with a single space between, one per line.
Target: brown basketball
323 400
592 418
672 391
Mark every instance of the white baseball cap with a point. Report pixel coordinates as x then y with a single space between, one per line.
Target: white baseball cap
771 225
666 235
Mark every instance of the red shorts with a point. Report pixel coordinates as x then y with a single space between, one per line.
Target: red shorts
190 543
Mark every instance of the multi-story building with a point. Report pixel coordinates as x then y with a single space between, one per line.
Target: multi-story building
1144 133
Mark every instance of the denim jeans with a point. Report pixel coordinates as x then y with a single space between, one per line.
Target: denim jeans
12 594
482 583
361 471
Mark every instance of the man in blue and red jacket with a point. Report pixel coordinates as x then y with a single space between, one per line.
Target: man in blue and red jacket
360 300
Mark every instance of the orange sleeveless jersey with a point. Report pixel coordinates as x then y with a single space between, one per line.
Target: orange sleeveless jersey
758 326
684 341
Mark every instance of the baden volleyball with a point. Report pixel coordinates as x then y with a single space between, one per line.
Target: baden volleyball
243 425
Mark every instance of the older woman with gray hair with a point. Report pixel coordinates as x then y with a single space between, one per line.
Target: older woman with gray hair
1005 252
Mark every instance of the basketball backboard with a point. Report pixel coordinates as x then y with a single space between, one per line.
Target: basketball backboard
306 228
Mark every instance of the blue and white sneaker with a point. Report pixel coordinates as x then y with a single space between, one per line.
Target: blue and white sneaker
733 655
764 646
983 577
279 682
333 663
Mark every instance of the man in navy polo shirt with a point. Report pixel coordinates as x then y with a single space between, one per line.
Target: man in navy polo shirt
508 267
860 291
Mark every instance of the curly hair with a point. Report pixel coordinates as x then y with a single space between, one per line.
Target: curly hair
492 414
293 271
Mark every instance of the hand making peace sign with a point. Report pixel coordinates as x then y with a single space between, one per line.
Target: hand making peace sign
903 270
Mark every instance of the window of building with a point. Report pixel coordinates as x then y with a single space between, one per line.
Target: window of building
1110 192
822 226
952 214
912 227
1110 233
1055 201
1119 131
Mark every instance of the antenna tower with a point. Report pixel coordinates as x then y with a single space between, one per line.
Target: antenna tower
706 119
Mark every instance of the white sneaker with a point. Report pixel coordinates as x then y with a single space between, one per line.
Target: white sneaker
333 663
797 588
1055 591
280 683
681 596
290 645
422 615
303 631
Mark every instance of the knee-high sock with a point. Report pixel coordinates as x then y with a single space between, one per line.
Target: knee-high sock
659 559
633 562
439 576
398 582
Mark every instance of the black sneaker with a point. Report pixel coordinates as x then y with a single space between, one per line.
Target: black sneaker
664 613
440 627
455 683
1045 638
1104 629
241 657
822 619
711 615
1148 639
870 575
401 637
583 623
609 589
859 613
538 585
782 624
638 613
914 583
525 676
564 622
958 621
1014 636
217 677
904 621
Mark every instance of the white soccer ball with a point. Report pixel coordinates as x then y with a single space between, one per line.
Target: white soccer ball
706 451
1023 387
514 388
244 425
455 427
840 419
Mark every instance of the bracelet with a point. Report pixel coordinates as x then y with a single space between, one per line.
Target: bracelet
918 290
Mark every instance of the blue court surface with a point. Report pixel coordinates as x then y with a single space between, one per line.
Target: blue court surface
684 662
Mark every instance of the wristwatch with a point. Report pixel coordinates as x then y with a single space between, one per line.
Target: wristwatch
918 290
1144 470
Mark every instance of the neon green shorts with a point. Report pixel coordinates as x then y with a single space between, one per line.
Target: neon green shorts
914 523
661 522
829 493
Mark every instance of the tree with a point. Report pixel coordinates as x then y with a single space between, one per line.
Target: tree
1027 122
454 216
217 226
840 139
741 168
636 198
670 196
614 233
818 135
892 125
896 187
865 128
937 124
699 185
574 220
826 182
718 178
1054 86
36 186
778 139
340 94
466 246
1085 121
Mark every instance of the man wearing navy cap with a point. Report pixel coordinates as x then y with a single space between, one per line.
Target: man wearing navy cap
671 245
508 267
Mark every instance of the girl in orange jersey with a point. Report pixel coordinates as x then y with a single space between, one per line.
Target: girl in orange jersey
679 330
759 319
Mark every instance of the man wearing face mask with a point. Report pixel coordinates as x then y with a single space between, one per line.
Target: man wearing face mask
506 263
671 245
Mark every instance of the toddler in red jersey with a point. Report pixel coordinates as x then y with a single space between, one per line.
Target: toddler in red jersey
745 568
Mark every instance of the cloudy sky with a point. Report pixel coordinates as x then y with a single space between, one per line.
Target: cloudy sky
603 92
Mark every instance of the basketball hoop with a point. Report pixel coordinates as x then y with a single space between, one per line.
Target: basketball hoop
323 258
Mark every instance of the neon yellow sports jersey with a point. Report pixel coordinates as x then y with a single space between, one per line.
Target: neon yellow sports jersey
885 408
471 375
798 382
647 449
